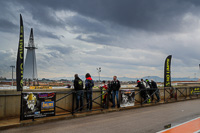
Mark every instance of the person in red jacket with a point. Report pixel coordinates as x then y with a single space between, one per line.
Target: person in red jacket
105 94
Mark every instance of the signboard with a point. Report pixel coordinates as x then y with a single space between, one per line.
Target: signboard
20 58
127 98
37 104
167 72
195 91
40 87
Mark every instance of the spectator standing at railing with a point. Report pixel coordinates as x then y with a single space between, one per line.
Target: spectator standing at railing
105 94
109 97
154 86
115 86
89 84
78 87
143 82
151 90
142 89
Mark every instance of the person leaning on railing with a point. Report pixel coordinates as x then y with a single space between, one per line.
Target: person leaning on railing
154 86
78 87
89 84
142 90
151 90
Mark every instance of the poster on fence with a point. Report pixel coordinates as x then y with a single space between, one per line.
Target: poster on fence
37 104
127 98
195 91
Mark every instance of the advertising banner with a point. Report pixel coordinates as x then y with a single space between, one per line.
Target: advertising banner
40 87
195 91
127 98
20 58
167 72
37 104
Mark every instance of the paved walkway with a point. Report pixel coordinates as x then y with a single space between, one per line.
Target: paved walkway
142 120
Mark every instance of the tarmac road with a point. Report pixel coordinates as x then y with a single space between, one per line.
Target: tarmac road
141 120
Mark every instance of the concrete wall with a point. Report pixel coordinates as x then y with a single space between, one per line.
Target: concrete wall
10 105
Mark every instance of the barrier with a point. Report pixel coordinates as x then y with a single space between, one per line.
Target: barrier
65 99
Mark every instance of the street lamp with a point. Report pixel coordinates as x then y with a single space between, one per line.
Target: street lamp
12 73
99 70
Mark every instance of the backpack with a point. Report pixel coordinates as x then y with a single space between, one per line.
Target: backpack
91 83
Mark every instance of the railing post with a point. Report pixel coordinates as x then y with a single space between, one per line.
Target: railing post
21 108
186 94
190 93
176 94
164 94
140 97
73 103
101 92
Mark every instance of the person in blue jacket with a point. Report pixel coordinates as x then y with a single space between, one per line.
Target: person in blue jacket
89 84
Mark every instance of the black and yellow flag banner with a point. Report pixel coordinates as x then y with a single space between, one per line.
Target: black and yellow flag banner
20 58
167 72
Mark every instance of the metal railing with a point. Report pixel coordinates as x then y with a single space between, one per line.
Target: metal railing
170 94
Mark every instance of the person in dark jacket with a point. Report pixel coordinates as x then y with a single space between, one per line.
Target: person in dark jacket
151 90
89 84
142 89
115 86
109 91
154 86
78 87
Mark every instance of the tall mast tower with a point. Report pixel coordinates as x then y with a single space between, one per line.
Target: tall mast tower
30 67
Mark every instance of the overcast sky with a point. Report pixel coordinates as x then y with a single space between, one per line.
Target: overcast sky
128 38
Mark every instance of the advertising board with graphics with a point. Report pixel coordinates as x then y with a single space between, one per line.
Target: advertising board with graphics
37 104
195 91
127 98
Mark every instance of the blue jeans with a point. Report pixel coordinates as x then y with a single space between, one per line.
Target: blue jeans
89 100
79 98
157 94
115 93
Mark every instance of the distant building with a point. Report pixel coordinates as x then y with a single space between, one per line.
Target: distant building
30 68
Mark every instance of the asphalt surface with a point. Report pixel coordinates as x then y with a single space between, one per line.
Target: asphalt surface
141 120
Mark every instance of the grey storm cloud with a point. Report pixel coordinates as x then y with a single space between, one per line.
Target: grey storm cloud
7 26
154 15
73 32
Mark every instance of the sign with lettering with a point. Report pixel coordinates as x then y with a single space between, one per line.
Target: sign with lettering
167 72
20 58
195 91
37 104
40 87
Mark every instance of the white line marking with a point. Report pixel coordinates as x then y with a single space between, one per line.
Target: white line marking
179 125
197 131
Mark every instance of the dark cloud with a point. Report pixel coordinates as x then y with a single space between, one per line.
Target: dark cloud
7 26
84 25
151 29
154 15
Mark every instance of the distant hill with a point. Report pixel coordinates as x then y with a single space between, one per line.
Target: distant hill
155 78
